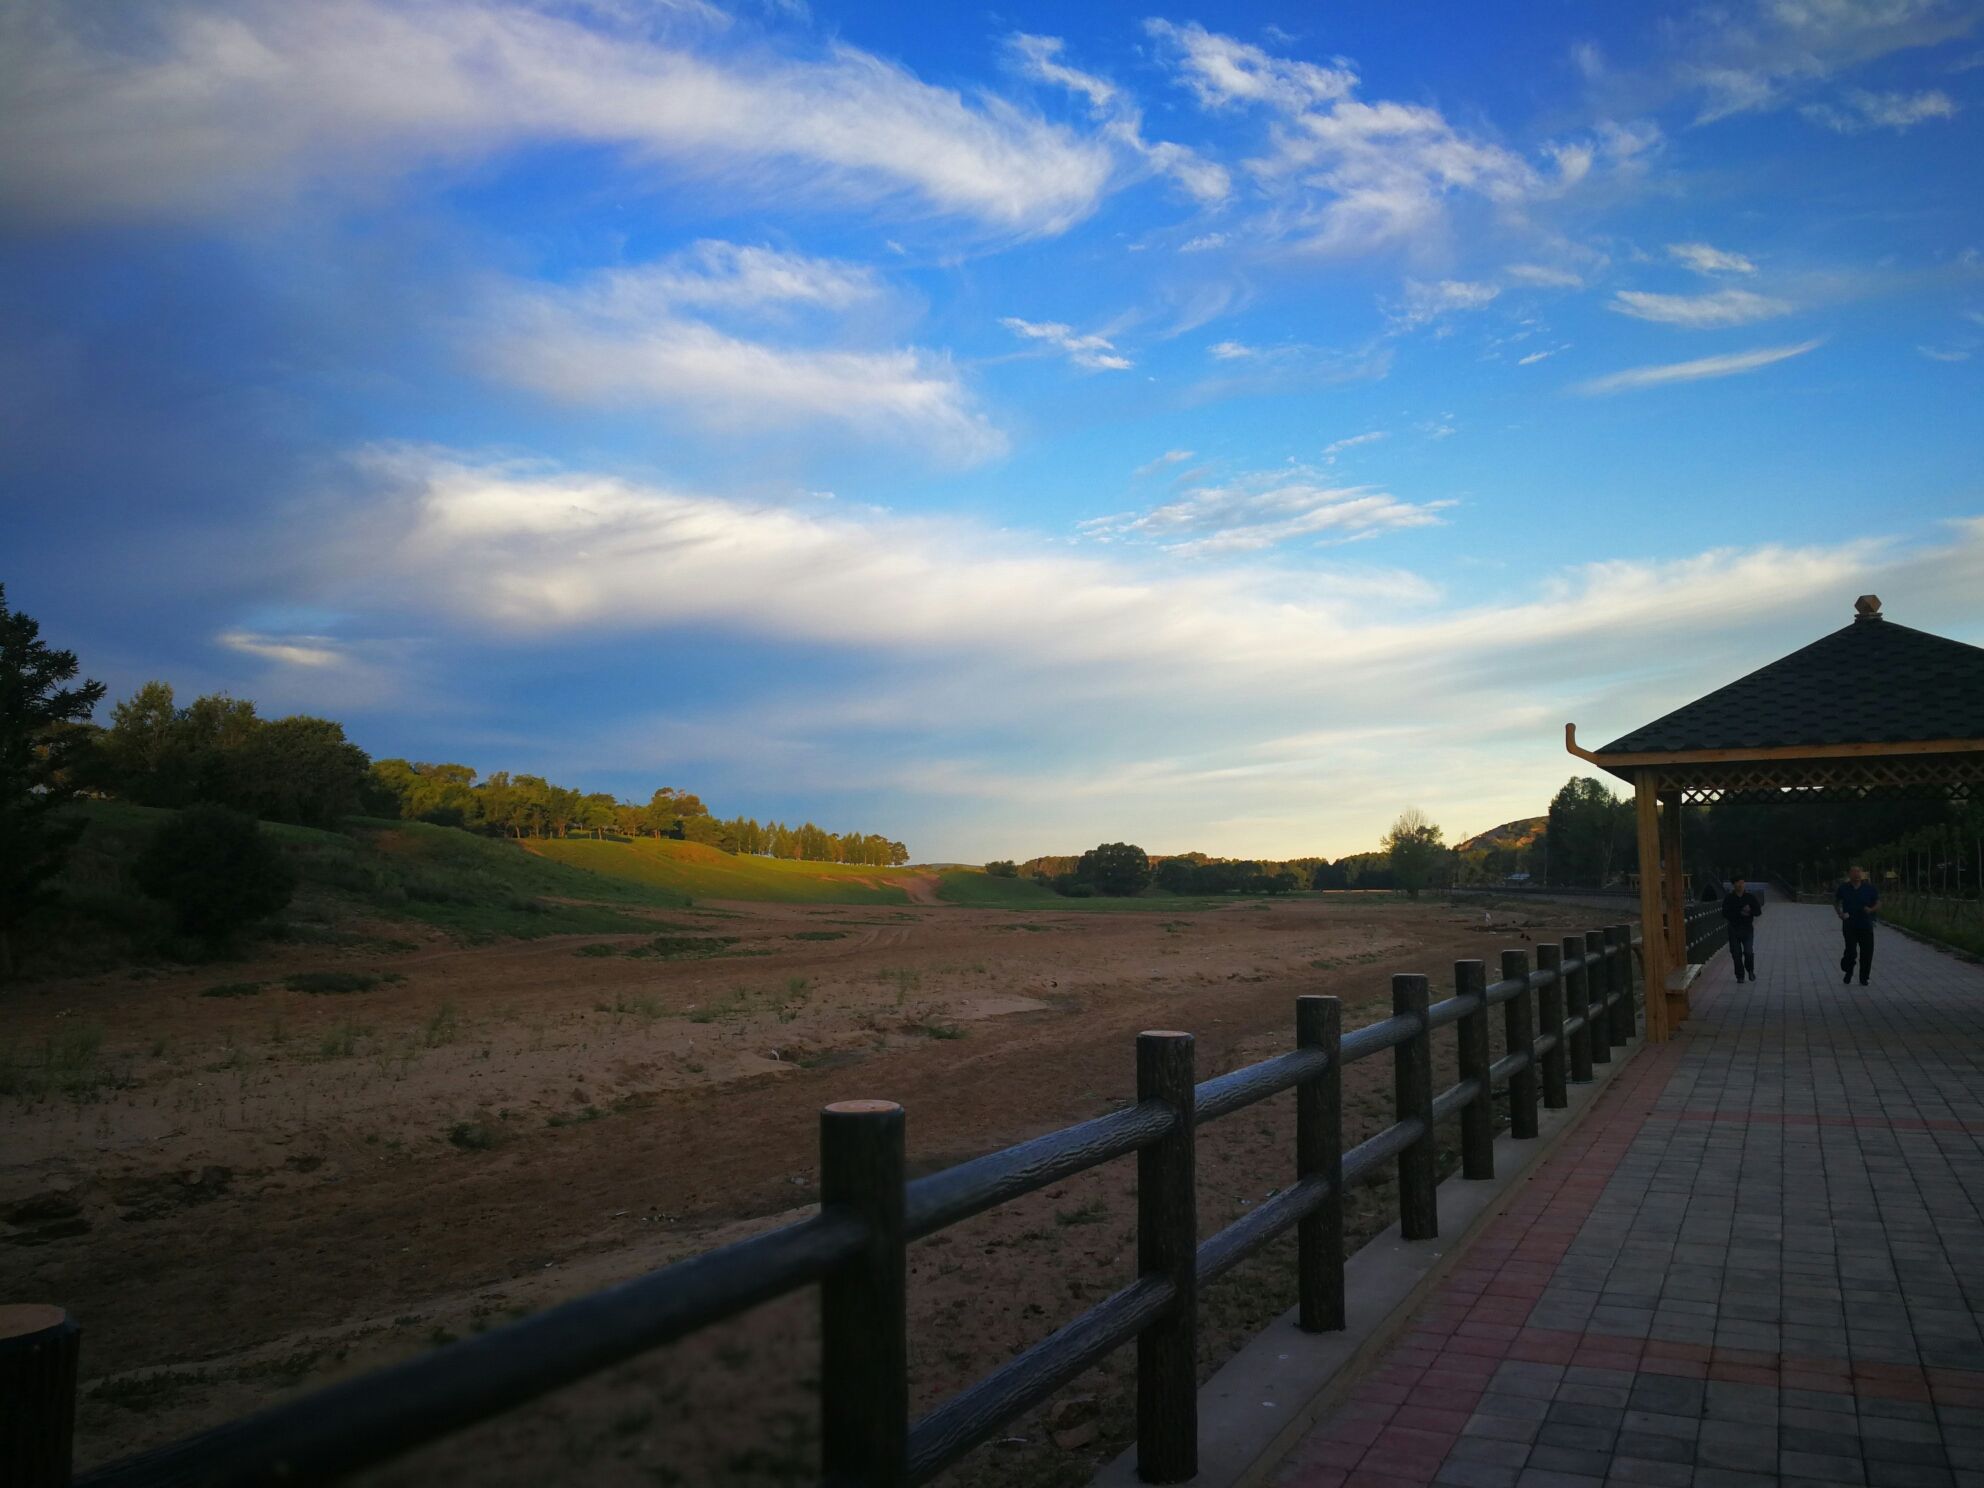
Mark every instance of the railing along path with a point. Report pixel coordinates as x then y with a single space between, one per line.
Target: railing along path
1559 1018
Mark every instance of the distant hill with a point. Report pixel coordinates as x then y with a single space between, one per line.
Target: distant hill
1507 837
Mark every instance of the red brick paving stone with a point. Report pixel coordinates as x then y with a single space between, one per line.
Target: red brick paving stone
1707 1075
1678 1368
1743 1374
1431 1418
1832 1384
1343 1454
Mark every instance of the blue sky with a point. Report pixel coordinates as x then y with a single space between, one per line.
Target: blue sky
1218 428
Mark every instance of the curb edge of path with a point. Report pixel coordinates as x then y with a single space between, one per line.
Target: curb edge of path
1259 1405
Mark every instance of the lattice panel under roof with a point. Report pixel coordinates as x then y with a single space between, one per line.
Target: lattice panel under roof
1957 777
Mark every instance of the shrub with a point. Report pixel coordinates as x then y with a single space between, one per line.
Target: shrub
215 871
1003 868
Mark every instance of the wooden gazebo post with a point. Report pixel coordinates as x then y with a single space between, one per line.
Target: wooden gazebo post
1654 961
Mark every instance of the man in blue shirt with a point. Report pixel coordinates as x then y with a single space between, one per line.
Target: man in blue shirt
1856 900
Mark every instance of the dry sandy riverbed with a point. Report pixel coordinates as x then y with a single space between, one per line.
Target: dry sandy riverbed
242 1196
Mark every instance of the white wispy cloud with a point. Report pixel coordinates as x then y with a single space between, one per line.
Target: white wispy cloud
1424 303
1168 458
1704 259
1266 510
1762 54
1346 176
1042 58
1095 352
1337 447
645 337
1544 276
290 650
1944 353
1703 367
1860 110
1230 351
1533 358
1214 696
1723 307
177 110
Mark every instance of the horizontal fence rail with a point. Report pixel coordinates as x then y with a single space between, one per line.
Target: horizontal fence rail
1560 1017
1708 931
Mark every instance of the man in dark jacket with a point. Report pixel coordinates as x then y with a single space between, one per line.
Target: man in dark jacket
1856 901
1740 907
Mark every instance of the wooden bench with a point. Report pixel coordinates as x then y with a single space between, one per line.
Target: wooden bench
1678 982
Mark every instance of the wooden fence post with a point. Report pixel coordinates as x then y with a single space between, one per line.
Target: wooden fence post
1412 1095
1624 1022
1477 1117
1519 1033
1550 1023
1319 1154
864 1334
1598 995
38 1351
1577 998
1167 1246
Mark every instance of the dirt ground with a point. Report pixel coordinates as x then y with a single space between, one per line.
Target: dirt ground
244 1195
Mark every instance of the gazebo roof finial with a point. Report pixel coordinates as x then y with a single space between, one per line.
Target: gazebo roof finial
1867 607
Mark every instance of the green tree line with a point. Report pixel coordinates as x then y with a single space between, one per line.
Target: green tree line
220 750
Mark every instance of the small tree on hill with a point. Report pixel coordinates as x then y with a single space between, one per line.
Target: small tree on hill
215 871
1116 868
41 743
1416 850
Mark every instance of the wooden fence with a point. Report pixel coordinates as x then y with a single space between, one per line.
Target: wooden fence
1560 1017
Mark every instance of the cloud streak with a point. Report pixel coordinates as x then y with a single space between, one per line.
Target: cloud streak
642 337
1266 511
1731 365
1094 352
1725 307
179 110
1243 670
1345 176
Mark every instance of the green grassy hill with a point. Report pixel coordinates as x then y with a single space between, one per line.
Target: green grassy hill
693 870
473 886
976 889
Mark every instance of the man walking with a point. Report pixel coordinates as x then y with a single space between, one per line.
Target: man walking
1856 900
1740 908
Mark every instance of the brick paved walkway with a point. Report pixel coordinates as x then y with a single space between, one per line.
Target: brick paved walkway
1759 1260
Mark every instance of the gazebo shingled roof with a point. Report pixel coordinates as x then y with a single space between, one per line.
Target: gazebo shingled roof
1870 682
1876 709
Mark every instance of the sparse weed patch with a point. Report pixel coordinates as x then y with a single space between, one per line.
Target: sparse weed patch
66 1064
1094 1213
482 1132
336 982
233 989
443 1027
340 1042
818 935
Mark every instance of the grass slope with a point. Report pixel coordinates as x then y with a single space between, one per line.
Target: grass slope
973 888
476 887
976 889
697 871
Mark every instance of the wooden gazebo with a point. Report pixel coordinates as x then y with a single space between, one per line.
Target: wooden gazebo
1873 710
